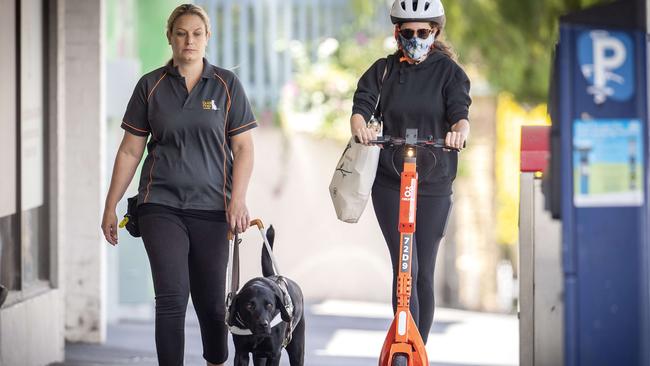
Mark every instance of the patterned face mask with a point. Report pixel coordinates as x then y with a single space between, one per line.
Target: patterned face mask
416 48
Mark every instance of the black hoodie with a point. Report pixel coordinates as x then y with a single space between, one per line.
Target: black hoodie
430 96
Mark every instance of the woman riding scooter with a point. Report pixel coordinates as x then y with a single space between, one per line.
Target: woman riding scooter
424 88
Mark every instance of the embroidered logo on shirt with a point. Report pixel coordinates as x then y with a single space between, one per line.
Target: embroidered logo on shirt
209 104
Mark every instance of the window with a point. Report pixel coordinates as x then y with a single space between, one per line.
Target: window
24 224
33 207
9 253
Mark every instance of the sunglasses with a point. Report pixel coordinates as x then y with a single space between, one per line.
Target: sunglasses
421 33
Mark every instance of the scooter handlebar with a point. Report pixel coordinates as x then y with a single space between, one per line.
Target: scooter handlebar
398 141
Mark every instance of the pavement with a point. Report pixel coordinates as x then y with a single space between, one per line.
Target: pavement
348 333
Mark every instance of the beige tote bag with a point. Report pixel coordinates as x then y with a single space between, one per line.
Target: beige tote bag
355 172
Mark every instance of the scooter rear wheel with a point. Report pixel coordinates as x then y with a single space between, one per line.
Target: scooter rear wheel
400 359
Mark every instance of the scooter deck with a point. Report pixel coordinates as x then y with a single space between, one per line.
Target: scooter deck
403 338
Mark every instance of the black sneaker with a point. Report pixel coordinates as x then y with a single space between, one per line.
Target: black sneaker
3 294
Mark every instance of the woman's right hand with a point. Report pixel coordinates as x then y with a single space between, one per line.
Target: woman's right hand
127 159
363 134
109 226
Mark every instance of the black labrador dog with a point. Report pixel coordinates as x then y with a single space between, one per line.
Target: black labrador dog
260 321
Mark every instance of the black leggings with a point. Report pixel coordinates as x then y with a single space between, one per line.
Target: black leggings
431 220
188 254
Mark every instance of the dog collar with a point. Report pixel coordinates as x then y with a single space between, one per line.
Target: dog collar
245 331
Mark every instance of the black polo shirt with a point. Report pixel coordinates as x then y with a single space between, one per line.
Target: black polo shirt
189 165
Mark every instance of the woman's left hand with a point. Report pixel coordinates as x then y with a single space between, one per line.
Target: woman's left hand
455 139
458 135
237 215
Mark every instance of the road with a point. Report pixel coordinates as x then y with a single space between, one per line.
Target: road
338 333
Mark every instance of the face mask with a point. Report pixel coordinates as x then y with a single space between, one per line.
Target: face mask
416 48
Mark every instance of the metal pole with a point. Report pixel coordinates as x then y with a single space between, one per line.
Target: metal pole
645 328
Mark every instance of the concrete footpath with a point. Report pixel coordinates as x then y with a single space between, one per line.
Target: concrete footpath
338 333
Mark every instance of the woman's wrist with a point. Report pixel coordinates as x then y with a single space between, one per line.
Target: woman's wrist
357 122
110 205
461 127
238 198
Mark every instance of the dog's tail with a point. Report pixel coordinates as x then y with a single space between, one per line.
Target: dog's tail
267 265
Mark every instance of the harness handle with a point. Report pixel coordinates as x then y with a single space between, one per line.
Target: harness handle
260 226
232 272
232 280
255 222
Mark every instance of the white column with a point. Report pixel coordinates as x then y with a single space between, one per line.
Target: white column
84 248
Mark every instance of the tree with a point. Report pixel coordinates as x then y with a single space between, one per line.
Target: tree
511 41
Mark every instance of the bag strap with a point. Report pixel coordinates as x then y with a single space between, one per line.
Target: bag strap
232 275
234 269
377 112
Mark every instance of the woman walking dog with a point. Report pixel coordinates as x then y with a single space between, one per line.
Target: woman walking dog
193 184
421 87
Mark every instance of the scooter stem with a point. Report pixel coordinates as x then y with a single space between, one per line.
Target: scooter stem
403 335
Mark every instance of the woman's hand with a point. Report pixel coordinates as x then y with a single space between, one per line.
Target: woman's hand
455 139
126 162
237 215
361 131
109 226
365 135
458 135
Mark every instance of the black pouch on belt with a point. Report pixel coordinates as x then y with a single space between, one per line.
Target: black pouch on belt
132 216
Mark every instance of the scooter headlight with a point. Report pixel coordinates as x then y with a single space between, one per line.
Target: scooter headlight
410 152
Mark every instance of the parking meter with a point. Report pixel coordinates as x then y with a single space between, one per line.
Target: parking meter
599 183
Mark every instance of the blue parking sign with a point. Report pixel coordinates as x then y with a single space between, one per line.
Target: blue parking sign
606 60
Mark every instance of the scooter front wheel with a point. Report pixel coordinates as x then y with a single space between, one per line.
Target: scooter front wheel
400 359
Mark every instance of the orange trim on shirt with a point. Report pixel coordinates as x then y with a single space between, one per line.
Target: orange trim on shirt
223 145
135 128
240 127
153 154
146 196
154 87
227 94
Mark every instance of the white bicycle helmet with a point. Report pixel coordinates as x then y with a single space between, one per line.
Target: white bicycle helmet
418 11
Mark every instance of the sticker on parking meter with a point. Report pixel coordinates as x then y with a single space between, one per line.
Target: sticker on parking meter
607 63
607 163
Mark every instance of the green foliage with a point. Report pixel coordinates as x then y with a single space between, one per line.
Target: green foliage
153 48
319 100
365 11
511 41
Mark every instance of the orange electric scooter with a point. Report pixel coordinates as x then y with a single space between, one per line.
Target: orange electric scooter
403 345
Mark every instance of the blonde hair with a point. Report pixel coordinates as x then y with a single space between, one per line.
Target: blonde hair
186 9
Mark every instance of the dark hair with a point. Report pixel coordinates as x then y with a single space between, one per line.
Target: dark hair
441 46
440 43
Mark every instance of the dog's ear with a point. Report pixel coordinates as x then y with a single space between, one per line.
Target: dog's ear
270 235
279 303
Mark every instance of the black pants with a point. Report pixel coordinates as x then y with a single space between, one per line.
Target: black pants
188 253
431 220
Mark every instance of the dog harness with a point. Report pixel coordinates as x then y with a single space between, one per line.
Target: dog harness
280 282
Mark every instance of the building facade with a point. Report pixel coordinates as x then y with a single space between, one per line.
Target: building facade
51 143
